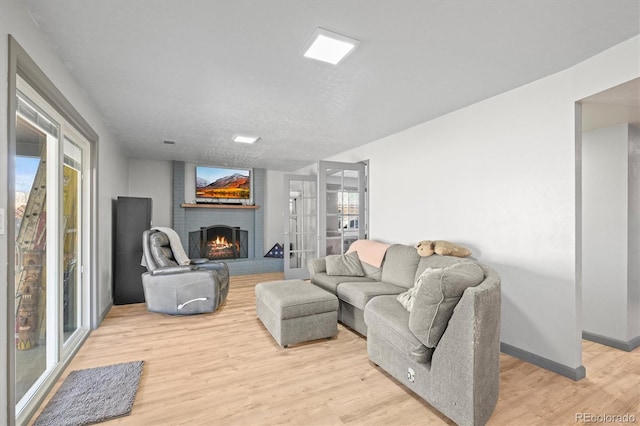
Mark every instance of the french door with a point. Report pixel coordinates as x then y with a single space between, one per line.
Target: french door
301 235
51 245
325 214
341 207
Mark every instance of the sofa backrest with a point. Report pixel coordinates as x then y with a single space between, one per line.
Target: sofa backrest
400 264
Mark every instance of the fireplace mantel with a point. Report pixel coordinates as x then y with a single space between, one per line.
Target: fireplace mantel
216 206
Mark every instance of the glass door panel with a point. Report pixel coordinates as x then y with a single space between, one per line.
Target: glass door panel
71 236
301 235
342 188
32 346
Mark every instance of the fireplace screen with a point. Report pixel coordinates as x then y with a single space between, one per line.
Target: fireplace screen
219 242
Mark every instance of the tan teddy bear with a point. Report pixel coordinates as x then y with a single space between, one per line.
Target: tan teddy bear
445 248
425 248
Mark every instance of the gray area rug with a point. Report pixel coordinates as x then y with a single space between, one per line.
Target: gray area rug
93 395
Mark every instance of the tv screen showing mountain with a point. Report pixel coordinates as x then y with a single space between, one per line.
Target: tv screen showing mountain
216 182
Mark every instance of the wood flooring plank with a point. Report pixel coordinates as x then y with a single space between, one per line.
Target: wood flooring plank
226 369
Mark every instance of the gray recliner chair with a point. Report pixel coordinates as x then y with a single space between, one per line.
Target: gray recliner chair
175 289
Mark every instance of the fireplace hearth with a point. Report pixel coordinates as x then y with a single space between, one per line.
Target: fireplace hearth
219 242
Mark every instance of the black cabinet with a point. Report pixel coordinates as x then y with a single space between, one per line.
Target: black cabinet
133 217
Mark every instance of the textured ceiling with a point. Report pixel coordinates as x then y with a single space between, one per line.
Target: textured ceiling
200 71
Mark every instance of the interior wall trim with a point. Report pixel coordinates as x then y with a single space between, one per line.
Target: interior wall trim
627 346
566 371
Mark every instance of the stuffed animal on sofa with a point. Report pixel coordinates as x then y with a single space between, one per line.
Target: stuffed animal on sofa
425 248
443 248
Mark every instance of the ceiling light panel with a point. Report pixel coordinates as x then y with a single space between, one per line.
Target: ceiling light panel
327 46
245 139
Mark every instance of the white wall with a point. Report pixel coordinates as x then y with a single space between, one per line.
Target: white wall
500 177
189 183
604 231
275 199
153 179
112 178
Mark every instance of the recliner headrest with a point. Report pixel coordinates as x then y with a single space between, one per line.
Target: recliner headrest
159 239
161 249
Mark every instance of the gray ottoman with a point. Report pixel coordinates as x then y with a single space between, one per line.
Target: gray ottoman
296 311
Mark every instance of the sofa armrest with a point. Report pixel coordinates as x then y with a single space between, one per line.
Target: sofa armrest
169 270
465 367
317 265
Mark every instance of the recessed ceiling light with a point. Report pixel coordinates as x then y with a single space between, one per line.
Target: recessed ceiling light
246 139
327 46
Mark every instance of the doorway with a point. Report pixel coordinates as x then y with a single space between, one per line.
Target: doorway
608 215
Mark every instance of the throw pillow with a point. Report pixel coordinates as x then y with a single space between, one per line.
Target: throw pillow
347 265
445 248
406 298
437 297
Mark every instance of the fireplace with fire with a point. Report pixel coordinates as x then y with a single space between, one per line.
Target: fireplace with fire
219 242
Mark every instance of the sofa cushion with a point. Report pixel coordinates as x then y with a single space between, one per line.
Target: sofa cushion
400 264
346 265
436 299
386 317
330 282
359 293
370 271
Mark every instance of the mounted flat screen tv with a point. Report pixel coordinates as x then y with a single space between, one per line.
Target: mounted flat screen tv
223 185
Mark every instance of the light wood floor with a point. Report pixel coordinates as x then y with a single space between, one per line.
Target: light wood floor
225 369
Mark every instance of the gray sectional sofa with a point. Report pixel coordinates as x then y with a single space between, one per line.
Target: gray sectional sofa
455 368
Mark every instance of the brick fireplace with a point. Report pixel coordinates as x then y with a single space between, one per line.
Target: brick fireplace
189 222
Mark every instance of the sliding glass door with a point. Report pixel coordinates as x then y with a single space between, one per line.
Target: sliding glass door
51 243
